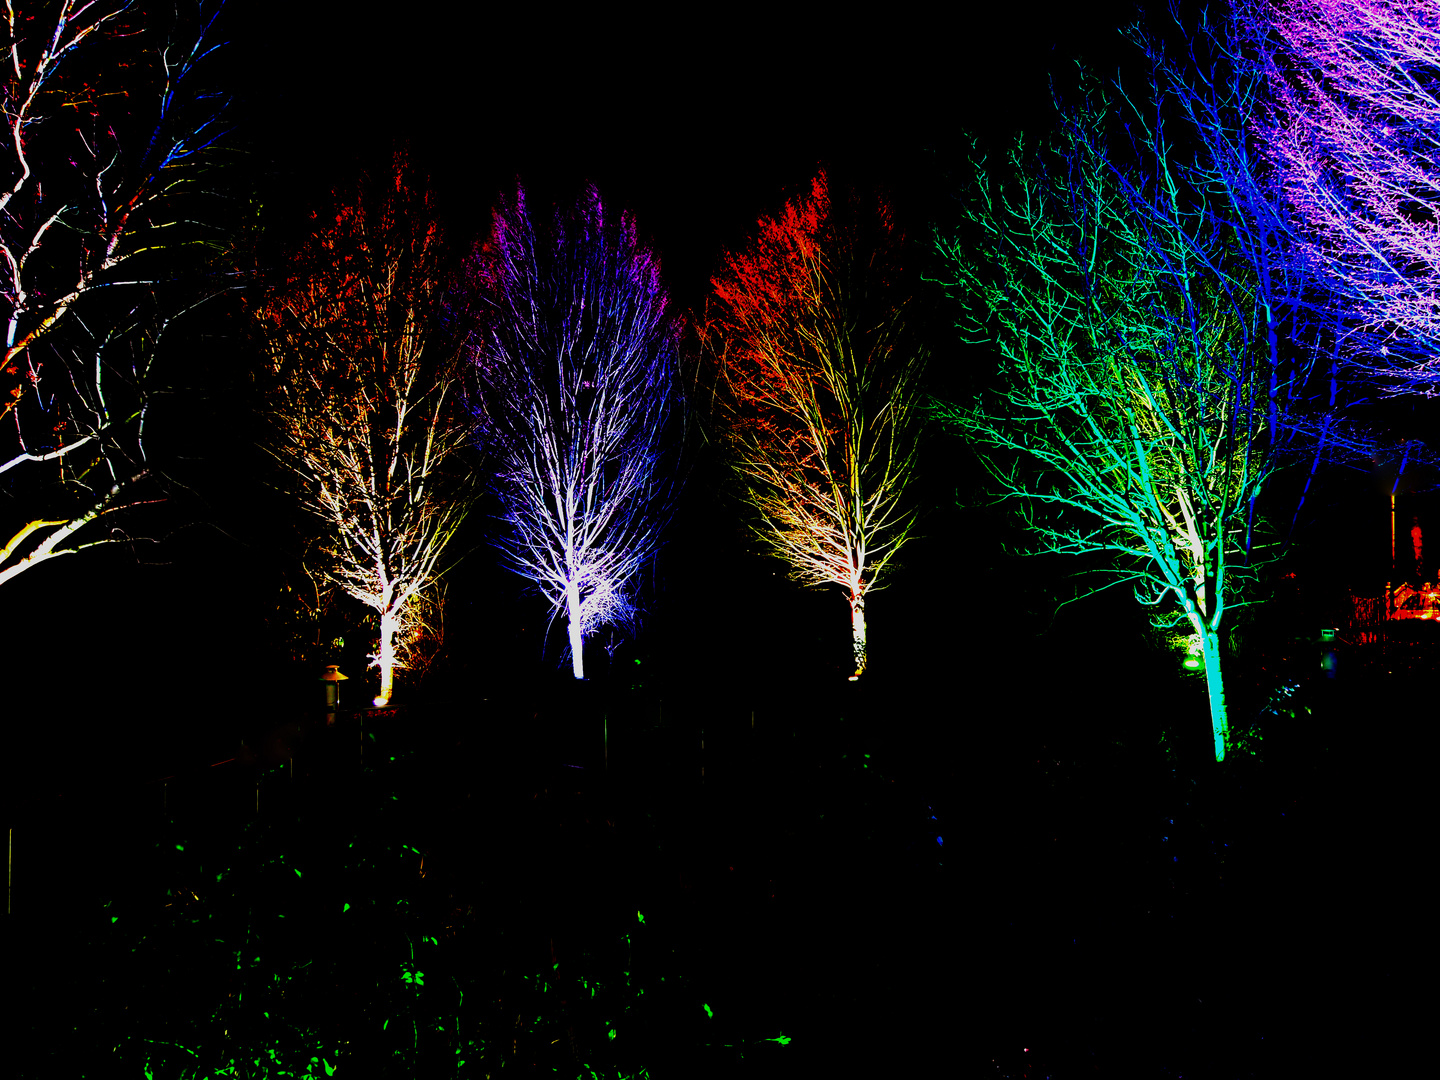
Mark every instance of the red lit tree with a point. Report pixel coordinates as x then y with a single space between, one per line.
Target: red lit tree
364 397
817 389
105 136
579 396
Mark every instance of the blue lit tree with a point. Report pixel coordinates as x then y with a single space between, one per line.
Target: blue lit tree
1219 85
578 400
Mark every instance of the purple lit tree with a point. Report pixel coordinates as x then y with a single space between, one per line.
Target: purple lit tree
576 358
1354 139
105 139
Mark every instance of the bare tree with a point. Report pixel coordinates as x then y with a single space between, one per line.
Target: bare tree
1354 137
364 395
579 399
818 391
106 134
1128 416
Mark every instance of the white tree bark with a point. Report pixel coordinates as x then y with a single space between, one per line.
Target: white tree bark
857 635
575 625
385 658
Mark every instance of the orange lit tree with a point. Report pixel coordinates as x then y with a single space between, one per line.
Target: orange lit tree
363 395
105 138
817 390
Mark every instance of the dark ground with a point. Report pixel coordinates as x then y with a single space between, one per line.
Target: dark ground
1011 880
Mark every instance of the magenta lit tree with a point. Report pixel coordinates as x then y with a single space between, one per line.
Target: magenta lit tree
578 394
1355 143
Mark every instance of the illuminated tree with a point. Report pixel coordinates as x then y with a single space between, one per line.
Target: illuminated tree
105 138
1128 417
1217 85
364 396
817 389
1355 141
575 353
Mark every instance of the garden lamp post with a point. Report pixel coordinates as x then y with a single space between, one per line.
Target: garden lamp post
332 678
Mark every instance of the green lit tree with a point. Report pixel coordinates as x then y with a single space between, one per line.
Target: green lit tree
1128 416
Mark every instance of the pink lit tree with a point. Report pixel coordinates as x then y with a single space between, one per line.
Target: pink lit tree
1354 139
576 360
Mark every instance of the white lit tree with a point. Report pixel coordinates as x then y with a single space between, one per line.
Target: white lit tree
107 134
579 404
364 395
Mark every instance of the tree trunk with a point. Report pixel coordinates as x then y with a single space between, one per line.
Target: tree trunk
386 654
857 634
577 641
1219 722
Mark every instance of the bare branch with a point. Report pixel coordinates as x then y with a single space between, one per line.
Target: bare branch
579 398
818 390
363 395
